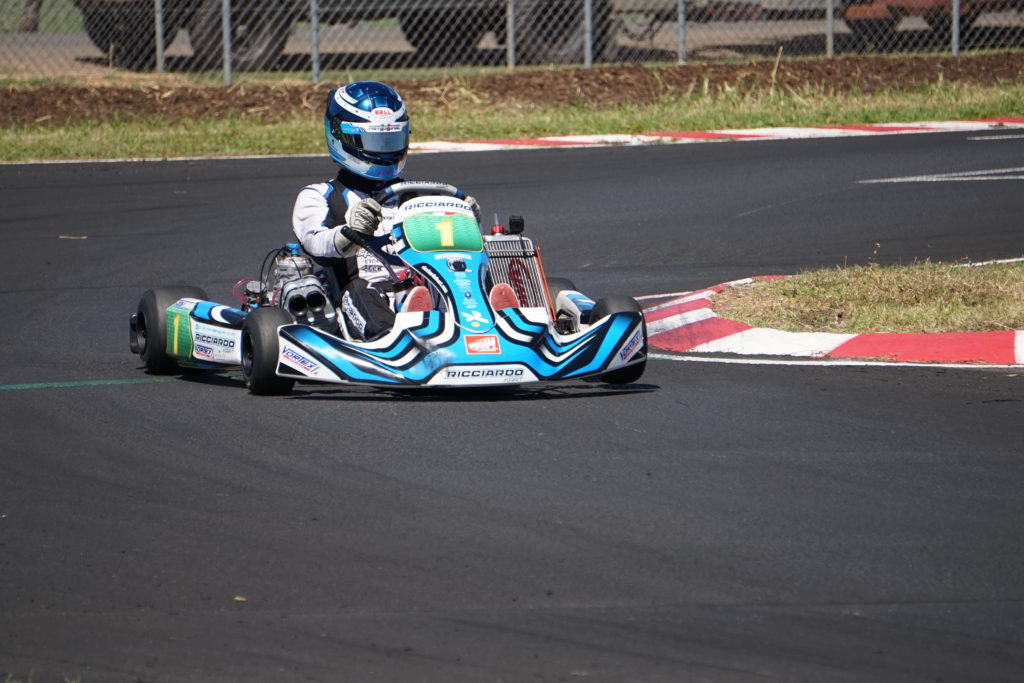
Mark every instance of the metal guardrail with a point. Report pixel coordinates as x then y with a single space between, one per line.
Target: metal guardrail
224 40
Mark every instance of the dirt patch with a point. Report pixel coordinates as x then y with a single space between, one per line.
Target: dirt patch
598 87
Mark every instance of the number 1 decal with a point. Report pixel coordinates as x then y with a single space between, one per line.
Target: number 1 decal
447 230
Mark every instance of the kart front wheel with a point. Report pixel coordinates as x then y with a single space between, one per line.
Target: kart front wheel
623 304
557 285
260 351
149 326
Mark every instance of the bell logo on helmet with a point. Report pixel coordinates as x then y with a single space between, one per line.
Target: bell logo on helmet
382 113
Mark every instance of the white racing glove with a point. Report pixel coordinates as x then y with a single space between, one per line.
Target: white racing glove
473 204
366 216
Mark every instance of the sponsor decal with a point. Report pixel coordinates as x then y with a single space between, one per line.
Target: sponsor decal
631 346
475 319
438 280
437 205
352 313
392 127
382 112
476 375
185 304
215 343
482 343
484 373
465 285
457 266
300 361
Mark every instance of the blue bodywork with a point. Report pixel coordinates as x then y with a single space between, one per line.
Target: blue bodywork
463 341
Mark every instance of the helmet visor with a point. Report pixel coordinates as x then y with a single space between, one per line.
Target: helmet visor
376 137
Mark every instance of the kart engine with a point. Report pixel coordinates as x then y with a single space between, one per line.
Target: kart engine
295 287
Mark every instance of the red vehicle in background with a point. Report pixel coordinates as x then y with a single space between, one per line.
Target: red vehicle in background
875 21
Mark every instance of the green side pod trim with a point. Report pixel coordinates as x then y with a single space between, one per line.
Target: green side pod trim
179 333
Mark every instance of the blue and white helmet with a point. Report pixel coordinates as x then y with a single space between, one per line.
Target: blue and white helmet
367 129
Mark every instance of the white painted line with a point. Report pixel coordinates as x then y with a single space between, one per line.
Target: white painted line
1018 347
831 363
645 297
798 133
609 139
997 262
439 146
768 342
963 176
985 138
680 320
693 296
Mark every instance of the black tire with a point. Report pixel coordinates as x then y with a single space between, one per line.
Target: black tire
878 33
150 329
260 351
557 285
443 35
552 32
259 28
620 304
125 33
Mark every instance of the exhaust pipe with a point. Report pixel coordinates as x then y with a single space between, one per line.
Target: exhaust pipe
297 305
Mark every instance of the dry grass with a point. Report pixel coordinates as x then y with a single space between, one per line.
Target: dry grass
923 297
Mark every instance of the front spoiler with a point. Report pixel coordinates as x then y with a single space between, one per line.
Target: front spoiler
429 349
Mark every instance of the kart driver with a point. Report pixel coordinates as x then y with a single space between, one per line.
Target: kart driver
366 125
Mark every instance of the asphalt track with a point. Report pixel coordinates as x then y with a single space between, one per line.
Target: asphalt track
715 522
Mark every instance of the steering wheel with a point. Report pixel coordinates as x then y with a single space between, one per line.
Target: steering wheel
410 188
417 188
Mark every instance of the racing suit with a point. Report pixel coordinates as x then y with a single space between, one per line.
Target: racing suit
360 278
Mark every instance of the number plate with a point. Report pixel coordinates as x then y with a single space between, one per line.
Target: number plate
442 232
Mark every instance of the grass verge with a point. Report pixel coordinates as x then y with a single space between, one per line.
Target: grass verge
463 120
920 298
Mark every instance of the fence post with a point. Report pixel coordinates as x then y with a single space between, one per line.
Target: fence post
158 26
29 20
588 33
510 34
954 33
314 39
225 30
830 28
681 46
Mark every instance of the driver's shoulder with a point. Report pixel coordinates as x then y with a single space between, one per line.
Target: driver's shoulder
323 189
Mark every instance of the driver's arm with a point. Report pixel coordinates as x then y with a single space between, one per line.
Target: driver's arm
309 222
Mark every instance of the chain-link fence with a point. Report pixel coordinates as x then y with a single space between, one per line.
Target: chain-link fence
227 39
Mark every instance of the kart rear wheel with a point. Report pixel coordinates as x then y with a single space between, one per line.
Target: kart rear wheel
260 351
623 304
149 331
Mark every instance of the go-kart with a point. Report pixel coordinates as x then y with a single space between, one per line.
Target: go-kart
488 316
